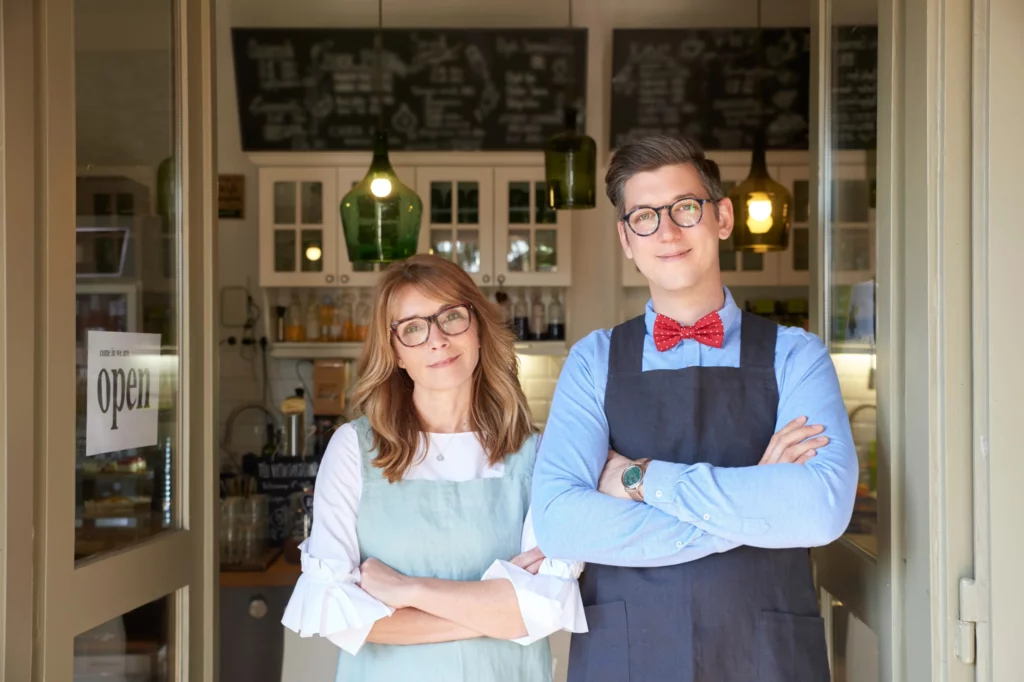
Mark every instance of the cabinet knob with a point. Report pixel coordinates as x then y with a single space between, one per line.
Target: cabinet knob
329 278
258 608
487 278
501 279
344 279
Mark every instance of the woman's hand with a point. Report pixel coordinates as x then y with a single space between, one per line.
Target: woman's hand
385 584
529 560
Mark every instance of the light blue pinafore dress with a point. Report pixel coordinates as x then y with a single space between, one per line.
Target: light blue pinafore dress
451 531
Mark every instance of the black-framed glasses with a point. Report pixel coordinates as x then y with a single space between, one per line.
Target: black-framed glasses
645 220
452 320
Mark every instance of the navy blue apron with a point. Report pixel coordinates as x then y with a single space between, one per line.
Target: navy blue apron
746 615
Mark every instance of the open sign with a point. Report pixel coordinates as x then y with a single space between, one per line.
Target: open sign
123 373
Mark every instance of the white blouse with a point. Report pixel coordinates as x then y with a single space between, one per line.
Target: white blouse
328 601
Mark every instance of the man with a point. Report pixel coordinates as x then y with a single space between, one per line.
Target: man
698 564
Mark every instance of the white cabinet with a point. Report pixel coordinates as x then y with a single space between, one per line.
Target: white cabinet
532 241
299 231
492 221
458 217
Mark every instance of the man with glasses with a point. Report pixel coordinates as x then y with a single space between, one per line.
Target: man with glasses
679 460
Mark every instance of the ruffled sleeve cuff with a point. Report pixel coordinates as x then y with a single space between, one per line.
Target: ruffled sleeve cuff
549 601
327 601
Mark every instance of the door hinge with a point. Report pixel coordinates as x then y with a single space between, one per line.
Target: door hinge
973 610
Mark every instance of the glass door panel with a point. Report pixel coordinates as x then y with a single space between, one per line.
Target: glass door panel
534 241
458 220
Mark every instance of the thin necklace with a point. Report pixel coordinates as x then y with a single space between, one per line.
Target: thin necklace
440 450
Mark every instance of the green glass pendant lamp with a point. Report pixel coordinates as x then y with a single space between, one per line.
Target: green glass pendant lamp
762 208
381 214
570 163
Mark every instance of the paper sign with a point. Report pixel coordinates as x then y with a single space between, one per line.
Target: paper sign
123 390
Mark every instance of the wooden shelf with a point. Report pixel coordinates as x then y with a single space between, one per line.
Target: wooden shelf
352 350
279 574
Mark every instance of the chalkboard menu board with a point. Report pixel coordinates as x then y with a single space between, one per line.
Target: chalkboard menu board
453 89
855 87
704 83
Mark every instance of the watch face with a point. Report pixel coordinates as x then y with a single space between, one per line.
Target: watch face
631 476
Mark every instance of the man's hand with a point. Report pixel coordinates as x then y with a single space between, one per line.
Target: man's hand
611 476
385 584
529 560
794 443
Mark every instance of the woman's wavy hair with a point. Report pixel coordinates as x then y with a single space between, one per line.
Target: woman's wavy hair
383 391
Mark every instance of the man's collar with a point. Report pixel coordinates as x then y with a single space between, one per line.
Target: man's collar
729 312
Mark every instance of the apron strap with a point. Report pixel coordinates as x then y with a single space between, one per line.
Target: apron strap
626 354
757 341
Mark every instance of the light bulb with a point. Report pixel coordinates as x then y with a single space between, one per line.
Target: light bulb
381 187
313 253
759 213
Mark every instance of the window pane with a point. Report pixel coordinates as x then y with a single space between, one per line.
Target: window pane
753 262
284 203
851 249
284 250
545 214
441 243
312 203
127 341
467 250
469 203
519 250
801 202
852 201
801 249
518 202
441 203
312 251
547 251
134 647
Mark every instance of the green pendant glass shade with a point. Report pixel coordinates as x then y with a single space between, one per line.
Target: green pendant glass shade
381 215
570 167
762 208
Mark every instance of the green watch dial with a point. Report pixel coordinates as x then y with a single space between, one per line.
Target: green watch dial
632 476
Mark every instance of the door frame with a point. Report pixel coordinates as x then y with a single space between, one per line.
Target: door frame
908 595
48 600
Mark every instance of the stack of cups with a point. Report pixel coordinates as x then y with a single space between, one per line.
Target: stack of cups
231 509
253 528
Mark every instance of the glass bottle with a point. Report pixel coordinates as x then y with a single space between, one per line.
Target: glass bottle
521 317
556 322
381 215
362 316
312 318
348 329
504 307
326 318
570 167
294 328
538 320
337 319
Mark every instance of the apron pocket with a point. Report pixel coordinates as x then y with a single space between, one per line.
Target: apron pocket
791 648
602 654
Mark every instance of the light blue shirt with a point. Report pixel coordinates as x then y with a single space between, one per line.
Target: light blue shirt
692 510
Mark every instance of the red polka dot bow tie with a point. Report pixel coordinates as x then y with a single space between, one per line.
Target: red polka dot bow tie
707 330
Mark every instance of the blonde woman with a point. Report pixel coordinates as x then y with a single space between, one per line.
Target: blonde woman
422 563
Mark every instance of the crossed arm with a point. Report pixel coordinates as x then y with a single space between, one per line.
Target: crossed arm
702 509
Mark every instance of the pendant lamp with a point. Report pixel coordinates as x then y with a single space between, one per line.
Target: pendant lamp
570 161
763 208
381 214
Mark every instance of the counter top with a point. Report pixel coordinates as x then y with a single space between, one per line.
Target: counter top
278 574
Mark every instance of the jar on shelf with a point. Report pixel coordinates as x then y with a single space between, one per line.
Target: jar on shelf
312 318
362 315
326 319
295 329
337 319
348 330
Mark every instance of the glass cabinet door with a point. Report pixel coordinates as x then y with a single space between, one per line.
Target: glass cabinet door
458 219
533 242
299 227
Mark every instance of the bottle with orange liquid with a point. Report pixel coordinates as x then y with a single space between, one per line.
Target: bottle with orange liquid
362 315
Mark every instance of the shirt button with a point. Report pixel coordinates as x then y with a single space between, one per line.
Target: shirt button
707 517
657 494
679 544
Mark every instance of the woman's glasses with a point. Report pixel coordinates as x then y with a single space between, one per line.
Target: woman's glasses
451 320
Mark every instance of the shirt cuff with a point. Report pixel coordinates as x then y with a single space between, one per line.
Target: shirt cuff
328 602
660 481
547 603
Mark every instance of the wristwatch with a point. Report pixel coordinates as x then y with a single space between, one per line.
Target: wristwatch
633 478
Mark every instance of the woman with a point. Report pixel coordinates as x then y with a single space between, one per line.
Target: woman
421 563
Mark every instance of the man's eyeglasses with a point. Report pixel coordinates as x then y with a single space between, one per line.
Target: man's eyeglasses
451 320
645 220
